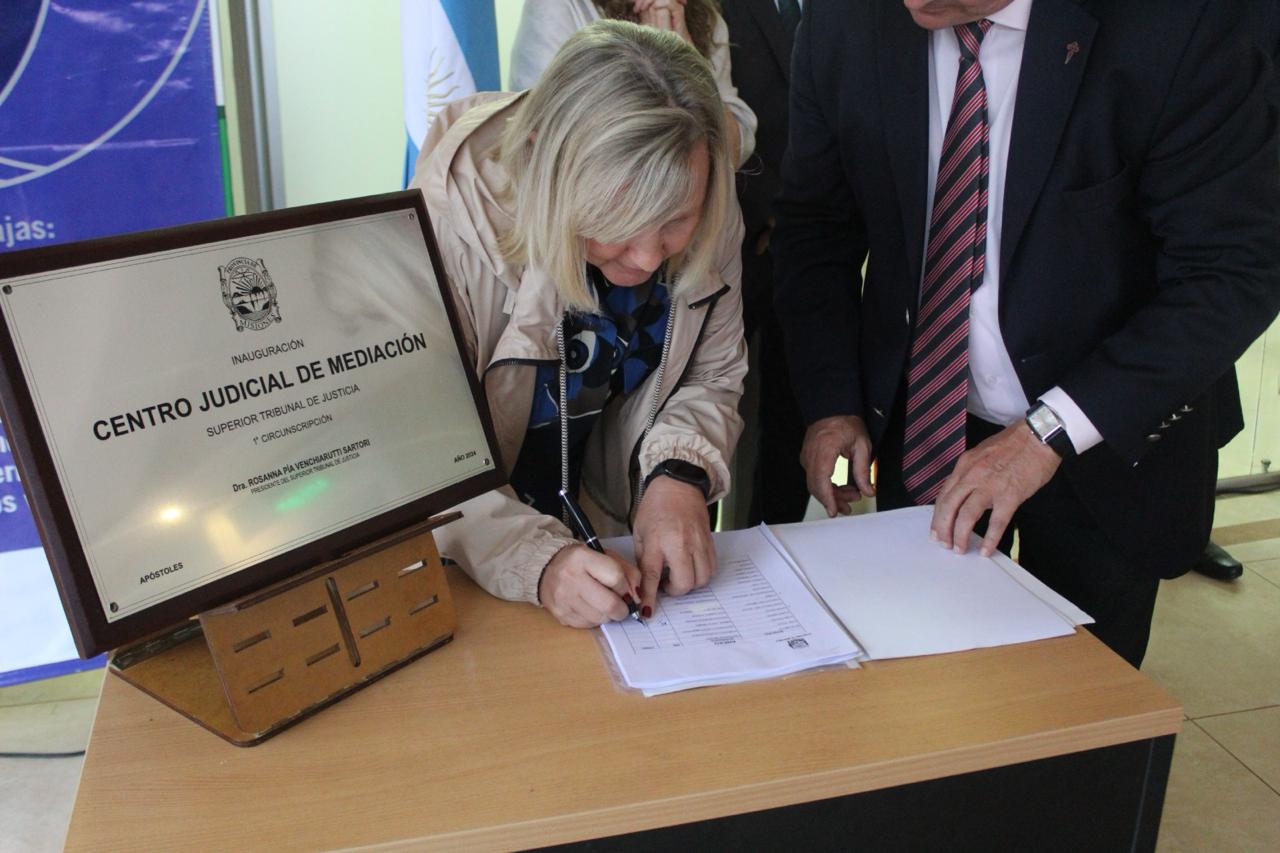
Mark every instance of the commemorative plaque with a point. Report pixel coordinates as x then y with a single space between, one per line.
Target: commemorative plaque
203 411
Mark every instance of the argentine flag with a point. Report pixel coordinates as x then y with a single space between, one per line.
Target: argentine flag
449 50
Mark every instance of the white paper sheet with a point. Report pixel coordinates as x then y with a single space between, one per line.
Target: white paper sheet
754 620
901 594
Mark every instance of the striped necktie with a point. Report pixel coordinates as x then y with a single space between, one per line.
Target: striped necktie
938 368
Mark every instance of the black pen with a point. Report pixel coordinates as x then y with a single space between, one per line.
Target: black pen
578 520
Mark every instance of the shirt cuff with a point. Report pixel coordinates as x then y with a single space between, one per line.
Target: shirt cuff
1083 434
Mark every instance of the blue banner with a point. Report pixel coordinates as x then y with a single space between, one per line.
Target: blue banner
17 529
108 124
107 119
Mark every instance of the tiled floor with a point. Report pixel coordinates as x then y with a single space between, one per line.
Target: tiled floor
36 793
1214 646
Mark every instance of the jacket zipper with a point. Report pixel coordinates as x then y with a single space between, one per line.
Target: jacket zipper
654 407
504 362
537 362
638 487
564 421
561 371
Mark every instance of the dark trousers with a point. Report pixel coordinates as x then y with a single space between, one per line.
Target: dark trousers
1058 542
778 491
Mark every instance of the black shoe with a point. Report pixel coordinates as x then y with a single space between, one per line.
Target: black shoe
1218 564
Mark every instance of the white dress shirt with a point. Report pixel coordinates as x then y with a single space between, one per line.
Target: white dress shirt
995 394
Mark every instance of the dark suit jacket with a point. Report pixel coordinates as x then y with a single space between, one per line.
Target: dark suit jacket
1139 249
1265 23
760 56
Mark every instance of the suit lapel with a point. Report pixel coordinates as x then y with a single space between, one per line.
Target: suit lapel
1057 31
765 13
903 68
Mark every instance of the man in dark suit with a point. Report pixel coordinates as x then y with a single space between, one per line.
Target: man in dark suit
761 33
1215 562
1070 213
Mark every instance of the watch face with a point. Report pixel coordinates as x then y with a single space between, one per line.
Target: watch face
1043 421
1050 429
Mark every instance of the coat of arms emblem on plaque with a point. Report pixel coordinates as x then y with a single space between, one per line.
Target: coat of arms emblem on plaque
249 294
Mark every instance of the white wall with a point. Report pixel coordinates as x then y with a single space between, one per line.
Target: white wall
1259 373
339 92
339 87
508 13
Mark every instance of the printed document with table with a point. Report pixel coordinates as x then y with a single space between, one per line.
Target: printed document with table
755 620
798 596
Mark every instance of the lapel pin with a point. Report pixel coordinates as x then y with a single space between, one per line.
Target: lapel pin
1072 49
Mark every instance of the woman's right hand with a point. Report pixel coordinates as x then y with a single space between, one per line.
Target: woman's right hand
664 15
584 588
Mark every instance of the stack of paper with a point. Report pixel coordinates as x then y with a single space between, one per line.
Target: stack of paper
798 596
902 594
755 620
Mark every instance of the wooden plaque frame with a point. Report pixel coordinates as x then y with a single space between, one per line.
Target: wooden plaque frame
250 669
89 627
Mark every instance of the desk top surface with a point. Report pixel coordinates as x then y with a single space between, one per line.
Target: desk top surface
513 735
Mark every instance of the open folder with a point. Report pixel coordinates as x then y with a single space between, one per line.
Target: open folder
797 596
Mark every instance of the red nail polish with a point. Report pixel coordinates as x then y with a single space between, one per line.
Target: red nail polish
646 611
626 597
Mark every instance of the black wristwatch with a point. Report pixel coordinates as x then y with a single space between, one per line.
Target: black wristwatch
685 472
1050 429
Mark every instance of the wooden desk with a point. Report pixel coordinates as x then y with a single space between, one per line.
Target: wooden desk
513 736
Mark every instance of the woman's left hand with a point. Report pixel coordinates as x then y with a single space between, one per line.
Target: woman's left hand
664 15
672 531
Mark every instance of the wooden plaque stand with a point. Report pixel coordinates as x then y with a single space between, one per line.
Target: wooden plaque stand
249 669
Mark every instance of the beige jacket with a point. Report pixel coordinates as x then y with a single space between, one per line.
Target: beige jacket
686 409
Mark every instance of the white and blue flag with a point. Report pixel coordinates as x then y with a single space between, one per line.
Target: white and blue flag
449 50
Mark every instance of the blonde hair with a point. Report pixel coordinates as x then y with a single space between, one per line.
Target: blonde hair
601 147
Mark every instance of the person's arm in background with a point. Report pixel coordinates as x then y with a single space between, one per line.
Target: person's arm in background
742 119
545 25
669 15
818 246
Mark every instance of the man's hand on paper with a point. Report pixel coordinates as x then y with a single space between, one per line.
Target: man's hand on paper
672 531
997 475
584 588
826 440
